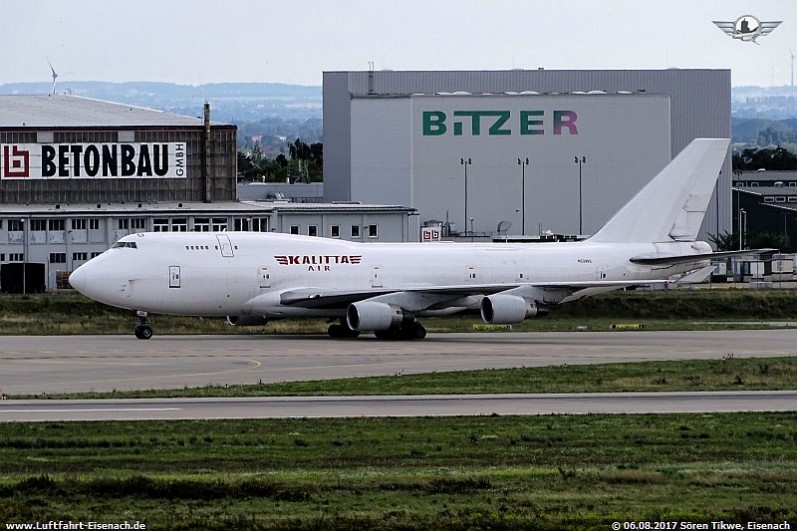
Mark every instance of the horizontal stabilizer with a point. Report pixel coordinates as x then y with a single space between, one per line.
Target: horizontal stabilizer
687 258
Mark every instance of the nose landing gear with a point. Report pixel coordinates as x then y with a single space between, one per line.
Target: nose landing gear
143 329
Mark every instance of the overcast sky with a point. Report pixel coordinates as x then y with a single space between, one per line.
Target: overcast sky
204 41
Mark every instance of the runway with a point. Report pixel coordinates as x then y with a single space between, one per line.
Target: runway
393 406
47 364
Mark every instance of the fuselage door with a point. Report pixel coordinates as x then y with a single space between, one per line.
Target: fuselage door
376 277
174 276
265 278
225 245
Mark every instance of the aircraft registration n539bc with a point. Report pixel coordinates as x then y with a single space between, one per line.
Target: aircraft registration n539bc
384 287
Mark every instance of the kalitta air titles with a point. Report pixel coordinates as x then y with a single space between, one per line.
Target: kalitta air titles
126 160
320 262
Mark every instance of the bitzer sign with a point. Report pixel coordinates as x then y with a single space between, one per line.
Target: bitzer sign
130 160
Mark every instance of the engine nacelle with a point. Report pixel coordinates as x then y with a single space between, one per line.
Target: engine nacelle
246 320
509 309
369 316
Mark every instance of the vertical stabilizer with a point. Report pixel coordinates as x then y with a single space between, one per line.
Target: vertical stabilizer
671 207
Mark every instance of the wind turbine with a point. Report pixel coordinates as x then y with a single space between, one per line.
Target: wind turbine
791 53
54 74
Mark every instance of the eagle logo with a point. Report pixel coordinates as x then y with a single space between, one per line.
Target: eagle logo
747 28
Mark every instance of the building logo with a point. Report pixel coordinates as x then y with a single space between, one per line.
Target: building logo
498 123
15 163
136 160
747 28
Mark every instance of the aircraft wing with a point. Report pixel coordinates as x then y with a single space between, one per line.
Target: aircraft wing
685 259
417 298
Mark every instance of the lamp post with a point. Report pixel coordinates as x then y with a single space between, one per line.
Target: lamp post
24 256
580 160
742 227
471 229
465 163
523 163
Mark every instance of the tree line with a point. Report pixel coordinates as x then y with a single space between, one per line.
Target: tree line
752 159
304 163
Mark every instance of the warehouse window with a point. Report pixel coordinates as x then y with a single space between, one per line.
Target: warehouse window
38 224
202 224
94 224
79 224
312 230
251 224
57 258
219 224
294 229
160 225
79 257
335 231
355 231
95 255
180 225
16 225
373 231
16 257
57 224
2 257
123 224
138 223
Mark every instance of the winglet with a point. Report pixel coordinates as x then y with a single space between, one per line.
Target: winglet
672 205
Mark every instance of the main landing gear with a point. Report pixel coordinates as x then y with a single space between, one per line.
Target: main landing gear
408 330
342 331
143 329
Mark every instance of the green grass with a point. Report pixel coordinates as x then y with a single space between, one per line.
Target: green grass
728 374
716 309
395 473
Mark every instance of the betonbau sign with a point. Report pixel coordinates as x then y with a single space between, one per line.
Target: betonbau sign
93 161
499 122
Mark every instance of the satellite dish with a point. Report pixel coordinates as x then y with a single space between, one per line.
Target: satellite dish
504 226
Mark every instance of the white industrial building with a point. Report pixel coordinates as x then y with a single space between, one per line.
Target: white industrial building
540 149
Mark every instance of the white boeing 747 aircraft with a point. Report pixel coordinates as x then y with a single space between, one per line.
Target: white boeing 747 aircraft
384 287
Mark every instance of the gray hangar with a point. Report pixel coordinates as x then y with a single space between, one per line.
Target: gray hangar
540 149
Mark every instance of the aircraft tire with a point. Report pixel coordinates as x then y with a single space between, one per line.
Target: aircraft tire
143 332
419 332
339 331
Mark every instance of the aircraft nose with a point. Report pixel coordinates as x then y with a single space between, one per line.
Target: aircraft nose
78 279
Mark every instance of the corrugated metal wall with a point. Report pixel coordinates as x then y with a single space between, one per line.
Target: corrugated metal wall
700 107
222 170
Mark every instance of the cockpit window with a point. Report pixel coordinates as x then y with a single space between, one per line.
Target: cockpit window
118 245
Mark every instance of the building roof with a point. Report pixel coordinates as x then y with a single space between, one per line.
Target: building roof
174 208
62 111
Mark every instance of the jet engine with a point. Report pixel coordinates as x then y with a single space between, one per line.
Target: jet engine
369 316
509 309
246 320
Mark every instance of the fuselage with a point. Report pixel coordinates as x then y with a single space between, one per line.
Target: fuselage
242 273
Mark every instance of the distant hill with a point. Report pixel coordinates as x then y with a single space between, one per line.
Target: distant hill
230 102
